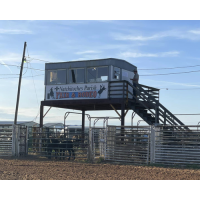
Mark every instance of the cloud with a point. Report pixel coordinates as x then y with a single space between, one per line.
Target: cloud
167 83
195 32
155 55
191 35
139 38
15 31
5 65
11 58
87 52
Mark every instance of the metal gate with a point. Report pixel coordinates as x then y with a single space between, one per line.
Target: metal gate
176 145
6 140
128 144
98 142
49 143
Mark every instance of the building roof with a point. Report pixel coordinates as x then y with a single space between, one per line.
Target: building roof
92 63
26 123
52 125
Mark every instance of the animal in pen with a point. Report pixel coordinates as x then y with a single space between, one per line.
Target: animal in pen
60 146
53 145
66 145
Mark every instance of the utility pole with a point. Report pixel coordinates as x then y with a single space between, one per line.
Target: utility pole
19 84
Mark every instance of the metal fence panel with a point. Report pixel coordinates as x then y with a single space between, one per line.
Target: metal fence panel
6 135
55 144
98 142
128 144
175 145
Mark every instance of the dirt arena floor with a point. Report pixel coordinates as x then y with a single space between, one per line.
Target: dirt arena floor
42 169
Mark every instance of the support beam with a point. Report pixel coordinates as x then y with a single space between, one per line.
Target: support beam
83 121
126 112
115 110
41 115
83 128
47 112
122 114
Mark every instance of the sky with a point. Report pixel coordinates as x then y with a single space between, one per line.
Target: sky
147 44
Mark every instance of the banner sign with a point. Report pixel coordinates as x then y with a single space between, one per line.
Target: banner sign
77 91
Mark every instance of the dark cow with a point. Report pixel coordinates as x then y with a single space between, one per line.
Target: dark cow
67 145
54 145
60 146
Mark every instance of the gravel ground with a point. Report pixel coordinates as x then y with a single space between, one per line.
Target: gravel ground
42 169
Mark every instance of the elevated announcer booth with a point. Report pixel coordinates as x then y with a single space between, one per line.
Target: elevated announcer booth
97 85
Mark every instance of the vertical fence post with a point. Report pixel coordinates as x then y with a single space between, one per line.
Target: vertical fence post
17 140
90 154
13 140
152 145
26 142
40 140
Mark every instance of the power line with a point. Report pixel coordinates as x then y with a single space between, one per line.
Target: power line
10 65
170 73
23 77
34 87
179 89
170 67
28 67
8 74
187 114
38 59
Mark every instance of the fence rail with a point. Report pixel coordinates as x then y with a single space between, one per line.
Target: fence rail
174 145
167 145
127 145
6 142
54 144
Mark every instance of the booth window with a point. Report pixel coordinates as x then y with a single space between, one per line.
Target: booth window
91 74
97 74
116 73
56 77
102 74
76 75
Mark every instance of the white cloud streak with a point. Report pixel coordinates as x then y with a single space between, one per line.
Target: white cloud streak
5 65
190 35
87 52
155 55
15 31
173 83
11 58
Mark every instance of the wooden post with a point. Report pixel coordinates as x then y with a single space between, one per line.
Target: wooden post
19 84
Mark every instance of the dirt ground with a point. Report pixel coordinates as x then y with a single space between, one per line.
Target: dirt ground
41 169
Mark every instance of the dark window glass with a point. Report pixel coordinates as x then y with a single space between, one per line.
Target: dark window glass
91 74
76 76
102 74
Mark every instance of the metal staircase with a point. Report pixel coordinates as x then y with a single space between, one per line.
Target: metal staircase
146 104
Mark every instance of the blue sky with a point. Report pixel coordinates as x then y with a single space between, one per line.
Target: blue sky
146 44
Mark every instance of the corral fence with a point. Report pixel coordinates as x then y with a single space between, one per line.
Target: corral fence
128 144
13 140
98 143
176 145
140 145
55 143
6 141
